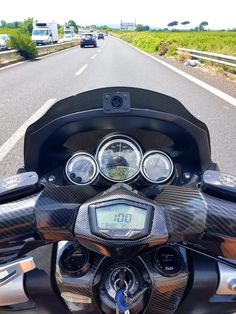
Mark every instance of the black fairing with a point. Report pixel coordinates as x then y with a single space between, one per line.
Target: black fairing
44 140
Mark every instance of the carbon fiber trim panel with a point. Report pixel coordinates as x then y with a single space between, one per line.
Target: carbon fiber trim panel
17 220
220 231
81 286
185 212
120 248
56 210
221 217
167 291
17 225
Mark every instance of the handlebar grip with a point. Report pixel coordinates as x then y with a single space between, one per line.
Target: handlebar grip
221 225
17 221
185 212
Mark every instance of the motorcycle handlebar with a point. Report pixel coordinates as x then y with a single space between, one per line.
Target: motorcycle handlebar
190 216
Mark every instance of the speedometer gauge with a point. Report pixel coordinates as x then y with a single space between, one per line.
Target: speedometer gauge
119 158
81 169
157 167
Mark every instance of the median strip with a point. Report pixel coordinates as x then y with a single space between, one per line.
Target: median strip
13 56
81 70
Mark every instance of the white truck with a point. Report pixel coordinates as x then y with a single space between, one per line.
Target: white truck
45 33
68 33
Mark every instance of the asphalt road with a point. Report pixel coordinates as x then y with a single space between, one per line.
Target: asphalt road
26 87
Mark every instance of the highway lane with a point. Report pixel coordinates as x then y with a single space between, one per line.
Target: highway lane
25 88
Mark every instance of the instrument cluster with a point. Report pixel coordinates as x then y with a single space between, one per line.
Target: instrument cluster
119 158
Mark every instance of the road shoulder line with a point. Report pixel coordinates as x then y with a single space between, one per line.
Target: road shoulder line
195 80
20 132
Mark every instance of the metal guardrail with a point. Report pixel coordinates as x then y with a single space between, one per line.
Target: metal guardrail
11 56
210 56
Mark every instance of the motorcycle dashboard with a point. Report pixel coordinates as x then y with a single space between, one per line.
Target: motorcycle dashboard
119 158
120 219
155 118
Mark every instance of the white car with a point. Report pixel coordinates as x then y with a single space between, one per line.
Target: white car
68 37
4 38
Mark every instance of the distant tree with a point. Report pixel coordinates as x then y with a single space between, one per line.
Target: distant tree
202 25
185 23
73 24
29 23
173 24
146 28
13 24
3 23
139 27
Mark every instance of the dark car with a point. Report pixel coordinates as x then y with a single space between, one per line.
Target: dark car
88 40
100 36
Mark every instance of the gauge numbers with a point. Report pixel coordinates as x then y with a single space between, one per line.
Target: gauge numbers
119 158
157 167
81 169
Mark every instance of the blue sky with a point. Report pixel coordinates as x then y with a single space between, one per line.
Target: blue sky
151 12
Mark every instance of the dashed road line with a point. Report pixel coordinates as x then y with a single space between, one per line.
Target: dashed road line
94 56
81 70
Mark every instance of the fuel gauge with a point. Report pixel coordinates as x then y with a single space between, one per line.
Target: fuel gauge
81 169
157 167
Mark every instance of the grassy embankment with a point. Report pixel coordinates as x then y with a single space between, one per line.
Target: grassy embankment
165 44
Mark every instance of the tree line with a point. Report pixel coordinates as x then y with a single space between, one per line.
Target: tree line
201 26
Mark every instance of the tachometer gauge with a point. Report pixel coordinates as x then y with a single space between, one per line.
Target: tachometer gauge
74 260
81 169
157 167
168 260
119 158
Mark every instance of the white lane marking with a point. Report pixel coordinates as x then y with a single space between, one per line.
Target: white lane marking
11 65
94 56
15 137
211 89
99 50
81 70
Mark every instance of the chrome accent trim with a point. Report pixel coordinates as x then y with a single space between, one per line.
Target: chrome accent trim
12 281
153 152
108 140
96 168
227 280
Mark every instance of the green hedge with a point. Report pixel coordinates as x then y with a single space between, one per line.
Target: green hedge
23 43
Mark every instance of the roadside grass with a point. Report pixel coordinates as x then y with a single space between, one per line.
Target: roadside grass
165 44
154 42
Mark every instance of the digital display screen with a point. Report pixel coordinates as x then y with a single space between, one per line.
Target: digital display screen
120 217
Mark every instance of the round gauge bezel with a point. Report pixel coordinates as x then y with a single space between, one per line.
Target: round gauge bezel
180 266
79 272
152 152
94 161
129 140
